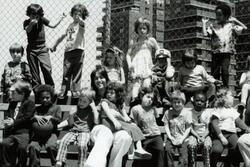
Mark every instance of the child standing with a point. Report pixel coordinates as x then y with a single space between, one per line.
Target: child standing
177 121
116 118
17 126
81 120
145 116
139 56
223 35
200 139
74 51
113 65
44 126
224 120
14 70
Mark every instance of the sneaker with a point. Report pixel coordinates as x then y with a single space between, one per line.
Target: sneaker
75 94
143 154
59 164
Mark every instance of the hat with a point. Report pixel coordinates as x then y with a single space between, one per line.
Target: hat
162 53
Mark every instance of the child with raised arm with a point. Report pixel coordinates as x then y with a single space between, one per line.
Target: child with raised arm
14 70
223 35
177 122
139 56
74 51
37 52
81 120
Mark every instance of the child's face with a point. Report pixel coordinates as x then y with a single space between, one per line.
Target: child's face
34 16
199 102
83 102
46 98
220 16
162 62
15 96
111 96
190 64
100 81
110 58
142 29
16 56
147 99
230 98
76 16
177 105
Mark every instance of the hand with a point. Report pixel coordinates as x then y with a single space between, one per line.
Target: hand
117 125
33 21
52 49
204 20
8 121
73 110
63 16
40 120
92 104
127 119
247 130
48 118
224 141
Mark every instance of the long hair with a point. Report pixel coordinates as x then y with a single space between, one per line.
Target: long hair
98 70
142 21
221 99
119 92
116 54
81 8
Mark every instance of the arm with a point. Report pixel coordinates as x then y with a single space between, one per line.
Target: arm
194 133
29 110
58 41
57 118
236 21
72 112
242 79
125 115
31 24
206 76
95 112
57 23
239 123
122 76
215 125
129 52
26 73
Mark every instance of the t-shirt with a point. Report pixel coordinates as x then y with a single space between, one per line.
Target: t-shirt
177 124
114 74
227 117
37 35
146 120
75 37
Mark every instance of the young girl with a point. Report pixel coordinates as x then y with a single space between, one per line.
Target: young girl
223 35
113 65
224 120
82 119
116 118
74 51
177 123
139 56
37 52
145 116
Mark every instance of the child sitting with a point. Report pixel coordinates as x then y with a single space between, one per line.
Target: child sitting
81 120
14 70
194 77
44 126
116 118
177 121
224 120
200 139
163 73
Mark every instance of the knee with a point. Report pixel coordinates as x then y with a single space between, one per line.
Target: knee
217 150
123 138
243 140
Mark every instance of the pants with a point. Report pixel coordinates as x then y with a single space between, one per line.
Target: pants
154 145
220 67
82 139
183 158
244 147
72 70
244 93
39 56
103 140
233 152
12 148
36 146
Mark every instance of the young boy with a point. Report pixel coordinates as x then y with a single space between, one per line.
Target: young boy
44 126
163 73
177 121
223 35
200 138
14 70
17 126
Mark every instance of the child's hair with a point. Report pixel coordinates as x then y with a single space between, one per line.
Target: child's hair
118 60
22 87
221 100
34 9
119 92
98 70
16 47
226 10
44 88
190 54
81 8
86 92
178 95
248 63
200 93
145 90
143 21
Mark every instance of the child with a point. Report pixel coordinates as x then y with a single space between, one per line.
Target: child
177 123
113 65
224 120
139 56
145 116
163 73
17 126
223 35
116 118
200 139
81 120
194 77
14 70
44 126
74 51
37 52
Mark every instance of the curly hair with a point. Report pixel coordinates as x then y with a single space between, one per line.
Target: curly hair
80 8
116 54
142 21
22 87
119 92
44 88
98 70
178 95
221 99
226 10
16 47
34 9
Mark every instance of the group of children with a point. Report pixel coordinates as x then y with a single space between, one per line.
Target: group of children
208 130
